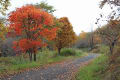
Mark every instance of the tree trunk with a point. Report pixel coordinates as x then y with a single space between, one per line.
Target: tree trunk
111 50
34 56
112 47
59 50
30 56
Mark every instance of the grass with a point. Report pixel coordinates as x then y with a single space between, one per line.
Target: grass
103 49
85 49
92 71
10 65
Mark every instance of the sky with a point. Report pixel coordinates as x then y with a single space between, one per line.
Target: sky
81 13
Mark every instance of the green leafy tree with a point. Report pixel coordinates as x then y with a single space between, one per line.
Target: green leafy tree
45 7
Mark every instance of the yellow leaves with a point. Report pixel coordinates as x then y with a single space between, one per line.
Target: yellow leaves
82 35
65 35
97 39
114 23
3 30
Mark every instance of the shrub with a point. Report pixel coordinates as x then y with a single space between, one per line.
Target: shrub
101 49
68 52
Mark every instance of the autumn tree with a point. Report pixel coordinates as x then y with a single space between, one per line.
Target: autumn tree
34 26
87 40
97 39
50 9
110 33
65 35
82 35
94 39
90 38
82 40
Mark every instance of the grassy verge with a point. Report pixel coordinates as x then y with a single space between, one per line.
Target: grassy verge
10 65
93 70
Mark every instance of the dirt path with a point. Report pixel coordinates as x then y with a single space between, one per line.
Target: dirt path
60 71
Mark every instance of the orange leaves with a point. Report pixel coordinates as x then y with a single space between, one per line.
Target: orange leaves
30 11
15 45
49 34
29 23
26 44
48 20
23 44
29 16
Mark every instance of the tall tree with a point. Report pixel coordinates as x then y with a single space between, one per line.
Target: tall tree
65 36
110 33
34 26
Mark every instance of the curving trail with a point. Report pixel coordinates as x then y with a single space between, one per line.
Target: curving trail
59 71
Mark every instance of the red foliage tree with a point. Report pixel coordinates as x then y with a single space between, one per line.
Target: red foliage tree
34 26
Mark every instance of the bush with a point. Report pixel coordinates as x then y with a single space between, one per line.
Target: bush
68 52
6 47
101 49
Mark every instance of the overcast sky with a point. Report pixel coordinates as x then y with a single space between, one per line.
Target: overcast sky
81 13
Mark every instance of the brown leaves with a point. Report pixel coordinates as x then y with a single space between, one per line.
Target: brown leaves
65 36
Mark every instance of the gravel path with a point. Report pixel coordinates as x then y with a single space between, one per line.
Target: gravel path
60 71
